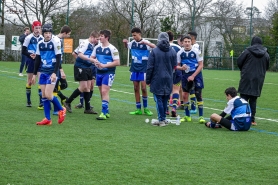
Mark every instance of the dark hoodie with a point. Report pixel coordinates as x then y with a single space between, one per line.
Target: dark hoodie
162 61
253 64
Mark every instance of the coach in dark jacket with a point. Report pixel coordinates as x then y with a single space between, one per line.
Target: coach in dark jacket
253 64
161 63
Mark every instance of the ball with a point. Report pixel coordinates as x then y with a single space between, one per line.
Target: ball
147 120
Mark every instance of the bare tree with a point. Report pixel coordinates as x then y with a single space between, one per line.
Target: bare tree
23 12
146 13
271 8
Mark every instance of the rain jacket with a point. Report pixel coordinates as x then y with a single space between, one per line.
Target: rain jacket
253 64
161 63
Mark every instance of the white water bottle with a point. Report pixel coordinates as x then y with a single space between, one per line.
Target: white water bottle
178 121
187 70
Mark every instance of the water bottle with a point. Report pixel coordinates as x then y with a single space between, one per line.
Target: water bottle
178 121
187 70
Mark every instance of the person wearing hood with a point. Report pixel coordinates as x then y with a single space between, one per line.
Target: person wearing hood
253 64
161 64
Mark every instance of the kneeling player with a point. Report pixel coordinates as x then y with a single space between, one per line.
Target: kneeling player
239 110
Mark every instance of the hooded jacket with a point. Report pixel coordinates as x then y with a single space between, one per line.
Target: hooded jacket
161 63
253 64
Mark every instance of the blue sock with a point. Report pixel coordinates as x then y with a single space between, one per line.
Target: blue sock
175 98
200 108
193 101
56 103
138 105
186 109
81 98
40 94
212 124
105 105
28 93
145 101
46 104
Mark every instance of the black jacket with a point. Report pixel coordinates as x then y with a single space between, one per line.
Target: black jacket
161 63
253 64
22 38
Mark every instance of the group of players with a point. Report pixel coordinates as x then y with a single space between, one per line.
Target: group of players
44 59
96 60
190 63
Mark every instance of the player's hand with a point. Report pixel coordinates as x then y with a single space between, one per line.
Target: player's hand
33 81
63 75
125 40
53 77
33 55
190 78
184 67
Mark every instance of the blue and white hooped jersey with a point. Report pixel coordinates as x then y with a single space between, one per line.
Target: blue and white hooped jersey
87 49
48 51
31 42
240 111
106 55
140 55
176 47
190 58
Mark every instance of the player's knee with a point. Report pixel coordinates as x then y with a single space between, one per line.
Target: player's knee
136 88
214 116
144 90
198 94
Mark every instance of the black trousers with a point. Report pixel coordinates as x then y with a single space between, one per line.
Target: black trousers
253 104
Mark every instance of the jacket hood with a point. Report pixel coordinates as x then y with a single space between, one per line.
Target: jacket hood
256 47
163 41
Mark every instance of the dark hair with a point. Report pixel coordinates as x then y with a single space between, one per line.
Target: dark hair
171 35
94 34
137 30
193 33
65 29
185 37
231 91
106 33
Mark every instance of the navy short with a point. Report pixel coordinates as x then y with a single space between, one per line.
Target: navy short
94 72
30 63
177 75
198 81
82 74
137 76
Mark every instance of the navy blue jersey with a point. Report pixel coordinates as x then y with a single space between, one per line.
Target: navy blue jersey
87 49
140 55
48 51
106 55
190 58
240 111
31 42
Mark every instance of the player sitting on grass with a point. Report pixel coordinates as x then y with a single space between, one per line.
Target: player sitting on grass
239 110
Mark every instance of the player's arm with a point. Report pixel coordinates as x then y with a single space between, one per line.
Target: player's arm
125 41
85 58
148 43
74 54
241 59
150 67
199 69
36 68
